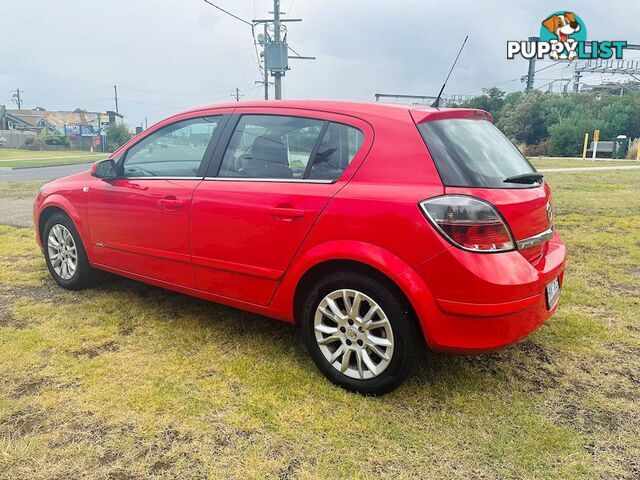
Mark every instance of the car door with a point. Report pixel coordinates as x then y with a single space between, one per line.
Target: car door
139 222
263 193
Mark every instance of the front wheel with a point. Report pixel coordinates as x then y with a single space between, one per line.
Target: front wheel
65 254
359 333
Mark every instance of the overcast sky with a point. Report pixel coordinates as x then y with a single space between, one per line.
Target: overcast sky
168 55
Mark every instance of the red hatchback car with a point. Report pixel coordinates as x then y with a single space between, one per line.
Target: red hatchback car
368 225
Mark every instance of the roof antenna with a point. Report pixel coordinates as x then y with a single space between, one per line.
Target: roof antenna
436 102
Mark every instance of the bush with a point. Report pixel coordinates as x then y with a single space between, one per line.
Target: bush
540 149
523 119
567 137
34 143
117 135
57 140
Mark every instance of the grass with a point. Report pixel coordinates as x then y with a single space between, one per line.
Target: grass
20 189
126 380
15 158
562 162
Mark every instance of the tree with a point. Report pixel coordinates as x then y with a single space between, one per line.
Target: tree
617 119
567 136
492 101
117 135
558 107
523 120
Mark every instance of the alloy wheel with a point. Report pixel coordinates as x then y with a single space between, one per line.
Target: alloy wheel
63 253
354 334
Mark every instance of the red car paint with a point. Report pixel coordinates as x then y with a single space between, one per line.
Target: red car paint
247 244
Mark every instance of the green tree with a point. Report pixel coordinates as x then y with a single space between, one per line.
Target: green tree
117 134
567 136
616 119
492 101
523 120
558 107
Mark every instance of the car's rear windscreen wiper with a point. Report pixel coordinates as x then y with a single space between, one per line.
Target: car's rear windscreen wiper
533 177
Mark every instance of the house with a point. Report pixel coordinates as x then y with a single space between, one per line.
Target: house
84 129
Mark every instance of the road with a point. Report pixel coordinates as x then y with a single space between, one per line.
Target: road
41 173
17 212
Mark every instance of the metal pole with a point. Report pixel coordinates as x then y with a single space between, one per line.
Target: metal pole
115 92
576 79
266 69
276 38
532 67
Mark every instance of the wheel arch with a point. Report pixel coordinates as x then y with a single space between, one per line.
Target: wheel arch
322 269
58 204
362 257
46 214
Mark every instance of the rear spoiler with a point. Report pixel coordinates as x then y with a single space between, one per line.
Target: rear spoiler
421 114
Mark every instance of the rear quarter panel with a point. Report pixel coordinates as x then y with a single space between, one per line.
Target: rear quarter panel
375 218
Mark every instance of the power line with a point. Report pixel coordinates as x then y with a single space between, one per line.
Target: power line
228 13
246 22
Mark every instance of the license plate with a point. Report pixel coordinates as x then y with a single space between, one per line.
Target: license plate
553 292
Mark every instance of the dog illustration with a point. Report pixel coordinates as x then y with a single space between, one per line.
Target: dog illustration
563 25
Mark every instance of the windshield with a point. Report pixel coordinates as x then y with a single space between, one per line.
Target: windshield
473 153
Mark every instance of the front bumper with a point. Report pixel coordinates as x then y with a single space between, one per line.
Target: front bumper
483 302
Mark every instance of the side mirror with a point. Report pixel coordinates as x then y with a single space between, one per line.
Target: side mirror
105 169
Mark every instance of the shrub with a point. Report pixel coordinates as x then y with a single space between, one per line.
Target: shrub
540 149
632 153
117 135
567 137
34 143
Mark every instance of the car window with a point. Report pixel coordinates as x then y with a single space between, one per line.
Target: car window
173 151
339 145
473 153
270 146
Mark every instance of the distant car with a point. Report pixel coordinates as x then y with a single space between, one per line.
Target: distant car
368 225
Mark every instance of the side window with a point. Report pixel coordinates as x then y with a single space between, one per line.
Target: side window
339 145
173 151
270 146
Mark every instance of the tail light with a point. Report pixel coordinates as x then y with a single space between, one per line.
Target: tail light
469 223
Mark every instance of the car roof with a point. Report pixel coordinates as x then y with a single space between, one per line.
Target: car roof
342 107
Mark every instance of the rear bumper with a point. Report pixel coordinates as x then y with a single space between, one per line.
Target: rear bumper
483 302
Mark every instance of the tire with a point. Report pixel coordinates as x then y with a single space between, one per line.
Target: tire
83 275
318 327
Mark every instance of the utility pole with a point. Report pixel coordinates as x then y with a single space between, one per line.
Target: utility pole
577 75
276 50
237 95
16 98
276 39
532 67
115 96
266 68
146 123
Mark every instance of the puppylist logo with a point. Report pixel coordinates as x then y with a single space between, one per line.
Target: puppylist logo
563 36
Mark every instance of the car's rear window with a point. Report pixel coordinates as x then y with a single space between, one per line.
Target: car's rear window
473 153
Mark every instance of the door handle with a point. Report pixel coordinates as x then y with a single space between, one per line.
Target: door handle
170 203
286 213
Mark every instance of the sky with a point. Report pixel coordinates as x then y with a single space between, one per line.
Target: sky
169 55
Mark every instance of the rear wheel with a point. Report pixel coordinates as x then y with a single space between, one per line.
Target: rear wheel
359 333
65 254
